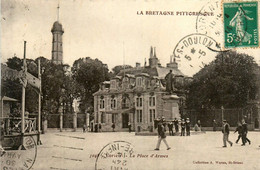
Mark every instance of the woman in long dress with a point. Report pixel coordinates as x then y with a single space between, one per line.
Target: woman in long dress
240 24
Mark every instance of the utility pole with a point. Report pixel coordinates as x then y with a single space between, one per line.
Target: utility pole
24 82
39 103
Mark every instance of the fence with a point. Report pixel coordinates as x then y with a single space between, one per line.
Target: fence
233 116
54 120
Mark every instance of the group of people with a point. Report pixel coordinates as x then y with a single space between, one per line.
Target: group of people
161 128
182 123
242 133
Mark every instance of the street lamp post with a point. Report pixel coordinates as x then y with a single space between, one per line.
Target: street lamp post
222 113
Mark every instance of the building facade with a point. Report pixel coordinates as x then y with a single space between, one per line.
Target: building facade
137 95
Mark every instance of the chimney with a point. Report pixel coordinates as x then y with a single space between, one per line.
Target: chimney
153 61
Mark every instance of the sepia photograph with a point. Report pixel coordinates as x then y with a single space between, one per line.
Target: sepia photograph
130 85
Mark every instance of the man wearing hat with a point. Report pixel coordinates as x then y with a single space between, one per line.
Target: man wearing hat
161 134
225 132
182 127
187 123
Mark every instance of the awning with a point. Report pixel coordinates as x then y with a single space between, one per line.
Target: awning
130 110
5 98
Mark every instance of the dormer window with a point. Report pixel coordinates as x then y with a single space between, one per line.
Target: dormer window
139 81
113 84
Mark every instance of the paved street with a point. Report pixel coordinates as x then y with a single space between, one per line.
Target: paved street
76 150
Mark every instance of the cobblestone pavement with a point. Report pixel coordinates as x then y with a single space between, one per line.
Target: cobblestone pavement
76 150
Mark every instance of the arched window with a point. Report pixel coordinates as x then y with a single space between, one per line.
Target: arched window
113 103
125 103
102 104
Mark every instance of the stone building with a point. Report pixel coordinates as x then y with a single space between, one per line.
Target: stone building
137 95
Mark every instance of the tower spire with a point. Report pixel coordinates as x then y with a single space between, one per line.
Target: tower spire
154 52
151 52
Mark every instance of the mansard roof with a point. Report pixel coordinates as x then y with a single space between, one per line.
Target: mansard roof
159 72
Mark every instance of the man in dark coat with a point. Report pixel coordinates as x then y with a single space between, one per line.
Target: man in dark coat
182 127
170 127
187 123
225 132
129 127
113 126
161 135
244 133
239 129
176 125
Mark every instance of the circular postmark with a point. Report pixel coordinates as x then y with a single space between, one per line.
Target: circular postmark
234 24
194 51
211 25
115 155
20 159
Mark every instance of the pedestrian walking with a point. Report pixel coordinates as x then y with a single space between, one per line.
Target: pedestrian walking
176 125
170 127
244 133
113 126
239 130
214 125
187 124
182 127
100 127
129 127
161 135
96 127
225 131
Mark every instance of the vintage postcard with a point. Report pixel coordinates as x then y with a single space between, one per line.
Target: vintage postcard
130 85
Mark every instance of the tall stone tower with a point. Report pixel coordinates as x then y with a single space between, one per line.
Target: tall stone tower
57 49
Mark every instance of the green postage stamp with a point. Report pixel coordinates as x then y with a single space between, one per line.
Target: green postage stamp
240 24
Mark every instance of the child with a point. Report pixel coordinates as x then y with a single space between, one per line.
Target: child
84 128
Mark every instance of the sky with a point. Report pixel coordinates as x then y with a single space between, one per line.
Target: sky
111 30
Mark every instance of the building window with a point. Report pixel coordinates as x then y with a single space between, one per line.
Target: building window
152 101
103 117
139 114
152 115
112 84
113 103
139 102
139 81
102 104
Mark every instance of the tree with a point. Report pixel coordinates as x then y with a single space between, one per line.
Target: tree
88 74
117 69
57 85
13 88
228 81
